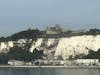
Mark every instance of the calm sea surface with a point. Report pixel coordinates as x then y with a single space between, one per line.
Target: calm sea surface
49 71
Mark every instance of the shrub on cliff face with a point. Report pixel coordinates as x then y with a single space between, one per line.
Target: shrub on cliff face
38 54
19 53
93 55
4 58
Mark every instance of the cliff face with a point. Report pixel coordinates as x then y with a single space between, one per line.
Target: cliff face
77 45
53 48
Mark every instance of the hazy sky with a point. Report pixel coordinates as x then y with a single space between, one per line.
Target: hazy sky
17 15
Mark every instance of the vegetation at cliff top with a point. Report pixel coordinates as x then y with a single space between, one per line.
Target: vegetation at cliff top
27 34
35 33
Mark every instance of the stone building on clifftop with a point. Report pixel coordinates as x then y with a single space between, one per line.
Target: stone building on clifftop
54 30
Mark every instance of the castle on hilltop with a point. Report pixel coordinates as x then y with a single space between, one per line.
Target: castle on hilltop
54 30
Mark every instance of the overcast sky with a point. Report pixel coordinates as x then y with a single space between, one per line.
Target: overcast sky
17 15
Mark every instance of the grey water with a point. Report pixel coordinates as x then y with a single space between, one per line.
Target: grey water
49 71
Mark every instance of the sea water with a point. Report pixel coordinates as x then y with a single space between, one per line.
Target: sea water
50 71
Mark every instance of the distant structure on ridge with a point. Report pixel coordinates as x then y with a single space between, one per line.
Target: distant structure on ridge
54 30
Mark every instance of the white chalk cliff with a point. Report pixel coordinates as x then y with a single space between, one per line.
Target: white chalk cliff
65 47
